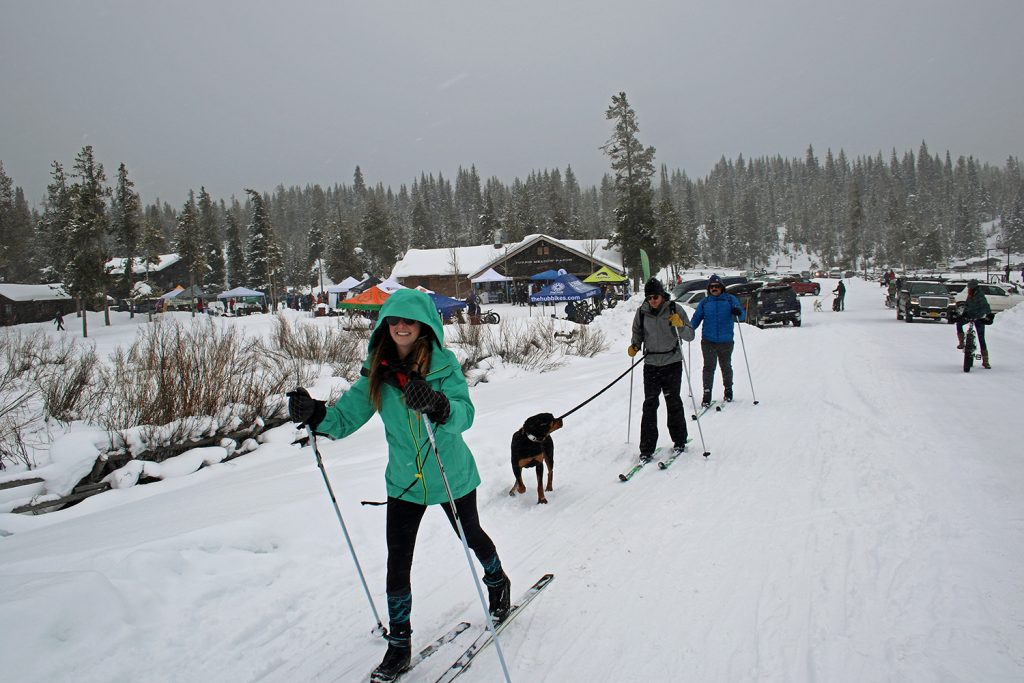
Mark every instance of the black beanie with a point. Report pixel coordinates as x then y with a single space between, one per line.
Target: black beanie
653 286
715 280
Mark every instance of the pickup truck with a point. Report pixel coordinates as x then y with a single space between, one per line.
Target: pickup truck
925 299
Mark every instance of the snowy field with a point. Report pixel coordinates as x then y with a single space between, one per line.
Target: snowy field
864 522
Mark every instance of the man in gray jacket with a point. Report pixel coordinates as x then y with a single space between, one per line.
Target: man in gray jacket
658 326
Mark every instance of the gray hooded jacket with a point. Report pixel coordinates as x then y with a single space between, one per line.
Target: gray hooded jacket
653 330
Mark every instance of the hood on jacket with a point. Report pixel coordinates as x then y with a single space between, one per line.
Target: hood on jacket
414 305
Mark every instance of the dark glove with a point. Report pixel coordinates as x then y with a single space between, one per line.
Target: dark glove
419 396
737 312
305 409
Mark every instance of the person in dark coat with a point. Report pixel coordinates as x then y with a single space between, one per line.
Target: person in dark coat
976 308
717 311
658 326
840 303
59 321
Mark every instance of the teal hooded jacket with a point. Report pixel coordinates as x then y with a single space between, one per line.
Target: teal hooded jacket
412 473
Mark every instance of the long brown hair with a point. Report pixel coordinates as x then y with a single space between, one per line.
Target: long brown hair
418 359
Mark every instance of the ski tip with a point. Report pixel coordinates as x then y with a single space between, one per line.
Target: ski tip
623 477
661 466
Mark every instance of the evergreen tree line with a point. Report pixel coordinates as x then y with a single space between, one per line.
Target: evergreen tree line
913 210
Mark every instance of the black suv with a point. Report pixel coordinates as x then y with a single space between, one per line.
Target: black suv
768 304
702 283
926 299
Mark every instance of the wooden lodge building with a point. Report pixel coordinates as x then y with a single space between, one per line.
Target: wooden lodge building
163 276
449 271
33 303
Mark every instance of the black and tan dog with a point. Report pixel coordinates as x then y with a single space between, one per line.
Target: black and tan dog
532 446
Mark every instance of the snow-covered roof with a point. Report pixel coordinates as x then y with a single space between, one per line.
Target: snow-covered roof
14 292
115 266
473 260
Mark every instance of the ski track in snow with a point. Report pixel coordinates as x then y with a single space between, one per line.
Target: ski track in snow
861 523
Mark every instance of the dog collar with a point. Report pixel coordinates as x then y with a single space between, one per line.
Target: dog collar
532 438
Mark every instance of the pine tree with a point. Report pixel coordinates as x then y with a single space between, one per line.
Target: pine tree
188 242
342 260
379 248
84 273
153 243
126 226
54 230
633 165
211 240
263 255
236 269
668 224
853 235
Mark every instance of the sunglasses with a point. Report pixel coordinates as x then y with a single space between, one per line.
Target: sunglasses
393 320
652 297
715 287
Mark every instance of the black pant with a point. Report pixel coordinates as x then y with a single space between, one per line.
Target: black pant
660 379
979 328
403 522
716 353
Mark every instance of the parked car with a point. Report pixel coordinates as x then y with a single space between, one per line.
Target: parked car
835 274
801 285
1000 296
848 274
821 273
702 283
692 298
928 299
768 303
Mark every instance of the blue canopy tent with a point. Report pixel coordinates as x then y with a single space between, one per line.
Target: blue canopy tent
548 275
446 305
566 287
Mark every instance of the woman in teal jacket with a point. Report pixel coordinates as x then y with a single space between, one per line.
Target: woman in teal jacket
408 374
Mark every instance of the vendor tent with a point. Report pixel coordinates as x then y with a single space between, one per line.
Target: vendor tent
605 275
547 275
370 300
173 293
239 293
491 275
446 305
567 287
364 285
343 286
391 286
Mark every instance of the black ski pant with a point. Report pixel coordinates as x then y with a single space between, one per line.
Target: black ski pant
659 379
717 353
403 523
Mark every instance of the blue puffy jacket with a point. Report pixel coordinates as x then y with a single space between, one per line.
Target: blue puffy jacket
716 314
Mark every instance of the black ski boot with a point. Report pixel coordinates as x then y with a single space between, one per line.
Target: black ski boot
399 654
499 594
728 394
706 400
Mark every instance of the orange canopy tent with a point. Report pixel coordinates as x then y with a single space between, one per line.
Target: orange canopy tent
370 300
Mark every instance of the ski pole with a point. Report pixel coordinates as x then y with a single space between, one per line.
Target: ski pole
739 325
629 418
379 629
693 401
465 546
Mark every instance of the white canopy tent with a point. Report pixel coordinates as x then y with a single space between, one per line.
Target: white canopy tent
335 292
490 275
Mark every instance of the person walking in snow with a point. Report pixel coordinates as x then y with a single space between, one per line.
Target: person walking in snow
717 311
658 326
976 308
58 320
409 374
840 292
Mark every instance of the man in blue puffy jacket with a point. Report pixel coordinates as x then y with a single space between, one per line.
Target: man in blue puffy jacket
717 311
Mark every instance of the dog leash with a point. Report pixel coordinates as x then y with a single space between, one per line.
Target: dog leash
605 389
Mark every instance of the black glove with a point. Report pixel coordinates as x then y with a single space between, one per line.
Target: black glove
305 409
419 396
736 312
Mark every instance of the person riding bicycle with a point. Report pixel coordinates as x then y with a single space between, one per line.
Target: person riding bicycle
976 309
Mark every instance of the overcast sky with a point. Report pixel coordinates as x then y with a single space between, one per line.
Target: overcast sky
254 94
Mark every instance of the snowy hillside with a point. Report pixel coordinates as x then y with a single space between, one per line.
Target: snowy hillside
862 523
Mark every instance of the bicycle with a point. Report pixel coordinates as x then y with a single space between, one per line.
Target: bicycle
489 317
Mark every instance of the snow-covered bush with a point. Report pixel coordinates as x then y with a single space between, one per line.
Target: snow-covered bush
342 349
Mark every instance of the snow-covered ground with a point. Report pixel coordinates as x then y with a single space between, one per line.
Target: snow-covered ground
863 522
